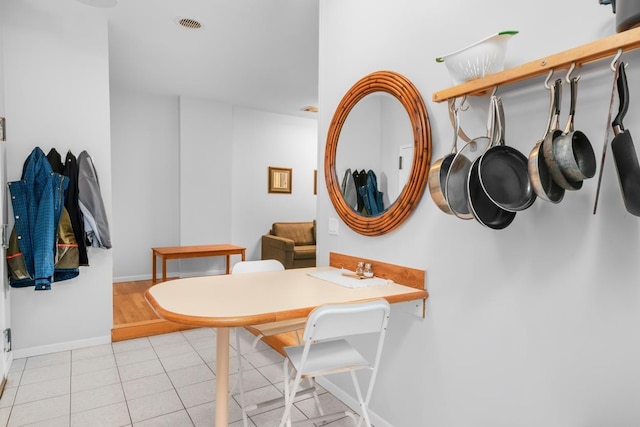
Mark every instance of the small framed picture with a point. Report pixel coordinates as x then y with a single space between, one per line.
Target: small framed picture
279 180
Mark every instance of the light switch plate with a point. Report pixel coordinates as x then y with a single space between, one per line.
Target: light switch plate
334 226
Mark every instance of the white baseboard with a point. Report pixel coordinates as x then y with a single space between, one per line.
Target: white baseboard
132 278
62 346
170 274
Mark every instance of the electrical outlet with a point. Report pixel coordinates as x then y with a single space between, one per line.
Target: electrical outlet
334 226
7 340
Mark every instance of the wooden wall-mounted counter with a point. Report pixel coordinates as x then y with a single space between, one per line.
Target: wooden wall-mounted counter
590 52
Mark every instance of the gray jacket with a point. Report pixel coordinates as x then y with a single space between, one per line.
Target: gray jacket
348 189
96 225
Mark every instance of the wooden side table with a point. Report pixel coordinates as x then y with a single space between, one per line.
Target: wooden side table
181 252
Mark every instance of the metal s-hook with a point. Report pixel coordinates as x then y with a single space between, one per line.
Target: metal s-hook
453 116
493 92
615 60
464 100
546 81
568 76
452 105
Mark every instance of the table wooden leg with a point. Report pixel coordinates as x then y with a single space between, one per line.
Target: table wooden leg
153 267
228 262
222 376
164 269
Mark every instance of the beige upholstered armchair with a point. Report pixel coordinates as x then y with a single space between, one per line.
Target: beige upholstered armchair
291 243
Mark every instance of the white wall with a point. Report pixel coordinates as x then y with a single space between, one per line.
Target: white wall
145 154
196 173
534 325
260 140
58 96
205 184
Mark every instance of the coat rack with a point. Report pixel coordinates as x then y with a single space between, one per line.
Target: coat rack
590 52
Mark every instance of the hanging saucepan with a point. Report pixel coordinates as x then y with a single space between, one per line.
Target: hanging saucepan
438 171
543 184
503 172
624 152
484 210
550 160
456 182
572 150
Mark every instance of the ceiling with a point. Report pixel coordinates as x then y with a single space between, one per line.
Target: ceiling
261 54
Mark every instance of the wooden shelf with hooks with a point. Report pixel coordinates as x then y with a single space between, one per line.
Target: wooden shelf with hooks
590 52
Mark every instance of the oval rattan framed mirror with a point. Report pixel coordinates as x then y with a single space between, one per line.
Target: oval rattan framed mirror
407 94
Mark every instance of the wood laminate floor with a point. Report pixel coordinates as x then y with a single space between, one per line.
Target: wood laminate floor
133 316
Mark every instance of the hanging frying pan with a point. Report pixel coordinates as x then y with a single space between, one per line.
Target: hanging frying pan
439 170
456 182
547 152
543 184
484 210
614 68
503 172
572 150
624 152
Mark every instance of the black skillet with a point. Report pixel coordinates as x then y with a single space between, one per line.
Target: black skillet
624 152
484 210
503 172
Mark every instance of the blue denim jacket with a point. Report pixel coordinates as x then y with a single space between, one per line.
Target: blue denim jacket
38 201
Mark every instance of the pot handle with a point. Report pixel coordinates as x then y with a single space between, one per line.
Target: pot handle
453 116
499 121
572 105
611 2
557 99
623 94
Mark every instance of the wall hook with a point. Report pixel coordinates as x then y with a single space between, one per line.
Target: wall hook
615 60
568 76
464 101
546 81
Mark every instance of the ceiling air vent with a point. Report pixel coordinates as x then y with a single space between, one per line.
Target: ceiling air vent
189 23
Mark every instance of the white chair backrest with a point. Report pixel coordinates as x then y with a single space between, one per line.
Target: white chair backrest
256 266
341 320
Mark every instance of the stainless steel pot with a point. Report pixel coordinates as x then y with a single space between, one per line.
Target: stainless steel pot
572 150
547 151
456 182
440 169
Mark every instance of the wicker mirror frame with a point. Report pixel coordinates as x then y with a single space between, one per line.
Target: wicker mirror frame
404 91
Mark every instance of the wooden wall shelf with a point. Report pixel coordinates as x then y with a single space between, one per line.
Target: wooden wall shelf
590 52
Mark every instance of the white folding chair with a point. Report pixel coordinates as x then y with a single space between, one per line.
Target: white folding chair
326 351
262 330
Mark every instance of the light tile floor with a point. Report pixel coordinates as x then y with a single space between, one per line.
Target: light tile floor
164 380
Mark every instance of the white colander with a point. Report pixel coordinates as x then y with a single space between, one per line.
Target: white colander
479 59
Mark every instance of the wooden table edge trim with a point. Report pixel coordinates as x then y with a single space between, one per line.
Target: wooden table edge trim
231 322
